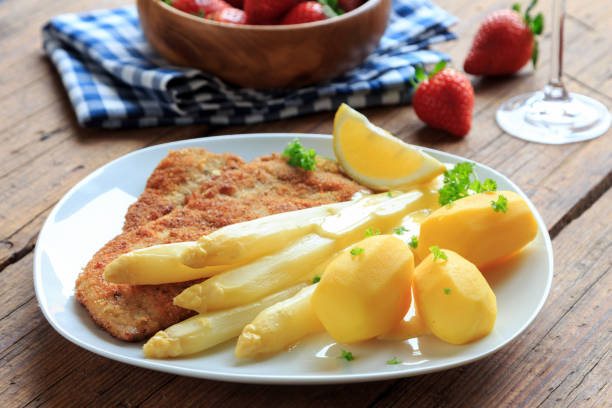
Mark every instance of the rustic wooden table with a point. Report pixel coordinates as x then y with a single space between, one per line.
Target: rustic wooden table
562 359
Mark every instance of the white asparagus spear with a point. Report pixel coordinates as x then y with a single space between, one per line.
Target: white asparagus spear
250 240
266 275
298 261
203 331
157 265
279 326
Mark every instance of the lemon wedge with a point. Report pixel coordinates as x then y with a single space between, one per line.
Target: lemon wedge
374 157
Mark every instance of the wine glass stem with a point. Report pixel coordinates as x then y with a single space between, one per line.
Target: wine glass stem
555 90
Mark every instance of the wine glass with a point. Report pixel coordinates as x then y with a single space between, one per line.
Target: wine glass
553 115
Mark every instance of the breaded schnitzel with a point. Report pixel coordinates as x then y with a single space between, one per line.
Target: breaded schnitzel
210 192
177 176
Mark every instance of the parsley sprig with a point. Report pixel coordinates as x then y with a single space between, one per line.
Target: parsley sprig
316 279
501 204
414 241
300 156
394 360
438 253
370 232
461 181
347 355
400 230
357 251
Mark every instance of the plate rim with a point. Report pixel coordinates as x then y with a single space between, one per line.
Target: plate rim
268 378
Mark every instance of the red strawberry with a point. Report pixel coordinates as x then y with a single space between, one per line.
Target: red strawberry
348 5
230 15
445 100
188 6
305 13
200 7
267 11
207 7
504 43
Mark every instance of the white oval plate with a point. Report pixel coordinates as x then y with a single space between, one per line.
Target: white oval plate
92 213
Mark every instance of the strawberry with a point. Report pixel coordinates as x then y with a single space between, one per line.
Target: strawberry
188 6
348 5
206 7
199 7
267 11
305 13
444 99
504 43
230 15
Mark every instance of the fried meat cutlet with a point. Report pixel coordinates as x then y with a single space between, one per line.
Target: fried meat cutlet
177 176
237 192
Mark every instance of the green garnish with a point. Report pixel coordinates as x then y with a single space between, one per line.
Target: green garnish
357 251
438 253
299 156
394 360
399 230
460 182
316 279
447 291
347 355
168 2
370 232
414 241
389 194
500 205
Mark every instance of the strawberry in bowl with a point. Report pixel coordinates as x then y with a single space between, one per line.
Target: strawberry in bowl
284 46
265 12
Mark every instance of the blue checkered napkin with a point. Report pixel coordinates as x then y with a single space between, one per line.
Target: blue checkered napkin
114 78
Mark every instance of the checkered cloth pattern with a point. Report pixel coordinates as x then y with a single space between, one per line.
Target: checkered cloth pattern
114 78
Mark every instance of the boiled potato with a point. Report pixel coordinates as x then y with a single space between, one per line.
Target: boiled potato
472 228
454 299
365 294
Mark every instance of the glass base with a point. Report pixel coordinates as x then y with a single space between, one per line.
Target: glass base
531 117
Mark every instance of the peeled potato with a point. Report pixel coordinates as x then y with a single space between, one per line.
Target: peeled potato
365 295
472 228
454 299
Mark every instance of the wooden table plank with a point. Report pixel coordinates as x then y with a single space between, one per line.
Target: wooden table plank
562 359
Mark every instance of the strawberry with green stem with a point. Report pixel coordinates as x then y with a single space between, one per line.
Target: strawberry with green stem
444 99
505 42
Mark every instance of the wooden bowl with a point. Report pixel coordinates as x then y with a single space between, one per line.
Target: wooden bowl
268 56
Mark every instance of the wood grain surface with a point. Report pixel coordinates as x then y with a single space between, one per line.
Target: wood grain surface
563 359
